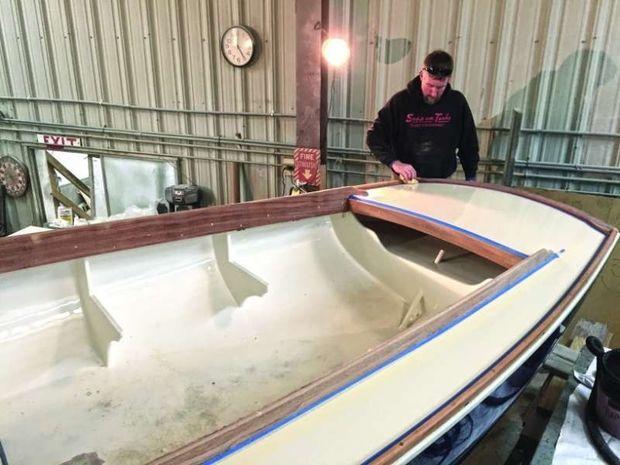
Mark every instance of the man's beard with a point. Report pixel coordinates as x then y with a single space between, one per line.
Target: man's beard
430 100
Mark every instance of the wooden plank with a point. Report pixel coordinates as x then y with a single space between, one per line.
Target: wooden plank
484 249
30 250
379 184
400 447
53 183
220 441
23 251
62 198
546 447
511 156
535 421
559 366
561 361
566 353
68 174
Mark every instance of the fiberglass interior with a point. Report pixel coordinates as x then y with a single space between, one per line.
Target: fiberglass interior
218 326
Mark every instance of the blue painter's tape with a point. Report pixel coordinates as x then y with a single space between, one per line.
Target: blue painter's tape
440 222
384 364
482 304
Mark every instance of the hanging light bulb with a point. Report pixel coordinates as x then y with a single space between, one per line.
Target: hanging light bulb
336 52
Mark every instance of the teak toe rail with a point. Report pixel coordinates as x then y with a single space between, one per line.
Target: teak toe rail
501 256
43 248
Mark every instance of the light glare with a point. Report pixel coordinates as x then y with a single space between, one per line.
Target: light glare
336 52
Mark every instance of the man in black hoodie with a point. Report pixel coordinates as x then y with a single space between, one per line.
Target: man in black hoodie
421 128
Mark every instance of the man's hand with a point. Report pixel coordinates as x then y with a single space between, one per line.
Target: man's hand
403 170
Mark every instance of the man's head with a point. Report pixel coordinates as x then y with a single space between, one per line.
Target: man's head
435 75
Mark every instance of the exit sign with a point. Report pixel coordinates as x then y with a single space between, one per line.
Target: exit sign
59 141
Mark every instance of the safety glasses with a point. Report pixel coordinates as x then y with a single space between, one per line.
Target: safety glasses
437 71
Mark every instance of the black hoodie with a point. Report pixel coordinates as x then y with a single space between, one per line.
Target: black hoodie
426 136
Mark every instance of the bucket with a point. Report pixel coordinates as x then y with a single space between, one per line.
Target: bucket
606 386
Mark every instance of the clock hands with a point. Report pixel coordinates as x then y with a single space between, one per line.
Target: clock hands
238 46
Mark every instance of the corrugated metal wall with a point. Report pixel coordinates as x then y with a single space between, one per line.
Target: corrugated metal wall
147 78
556 61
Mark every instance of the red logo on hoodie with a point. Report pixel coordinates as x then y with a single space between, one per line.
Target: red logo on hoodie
438 120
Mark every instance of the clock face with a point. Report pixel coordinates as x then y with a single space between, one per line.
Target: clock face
238 46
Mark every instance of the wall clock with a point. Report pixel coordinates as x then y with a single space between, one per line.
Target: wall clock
239 45
13 176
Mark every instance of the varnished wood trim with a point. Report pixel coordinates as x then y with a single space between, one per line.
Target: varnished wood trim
590 220
220 441
49 247
376 185
43 248
451 408
484 249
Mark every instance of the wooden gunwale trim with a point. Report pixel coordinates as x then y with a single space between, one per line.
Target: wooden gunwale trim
245 429
484 249
43 248
29 250
377 185
588 219
404 443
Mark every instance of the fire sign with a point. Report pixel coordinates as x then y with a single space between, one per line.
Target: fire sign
307 163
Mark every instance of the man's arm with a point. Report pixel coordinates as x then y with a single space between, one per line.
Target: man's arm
468 147
379 139
380 136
